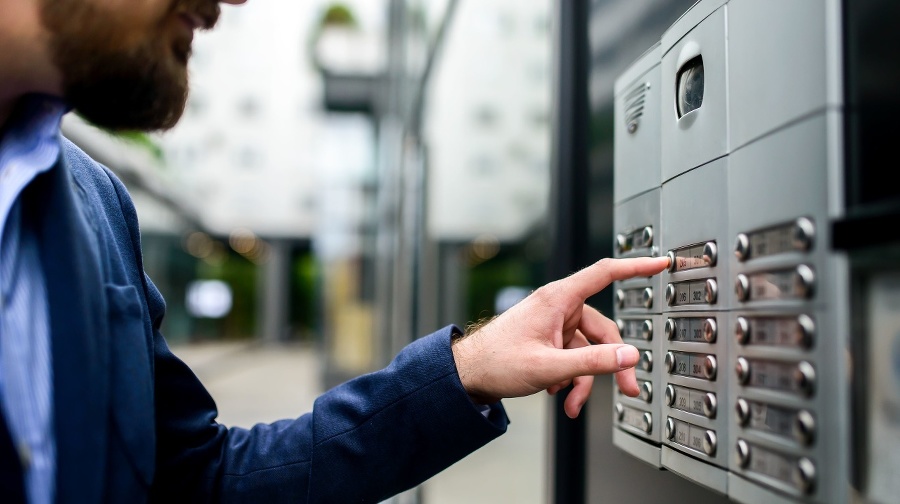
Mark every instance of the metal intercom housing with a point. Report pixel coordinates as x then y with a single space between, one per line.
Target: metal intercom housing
729 159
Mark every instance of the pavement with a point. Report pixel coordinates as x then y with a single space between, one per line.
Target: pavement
254 383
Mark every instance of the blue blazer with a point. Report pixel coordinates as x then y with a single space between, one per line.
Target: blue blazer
134 424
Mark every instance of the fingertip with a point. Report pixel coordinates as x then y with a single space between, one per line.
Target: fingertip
667 263
573 409
630 392
627 356
627 382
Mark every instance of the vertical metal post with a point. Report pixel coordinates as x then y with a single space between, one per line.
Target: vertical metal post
274 289
569 221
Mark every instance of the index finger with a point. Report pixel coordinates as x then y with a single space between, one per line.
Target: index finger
599 275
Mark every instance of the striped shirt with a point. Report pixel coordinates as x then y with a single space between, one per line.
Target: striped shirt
29 146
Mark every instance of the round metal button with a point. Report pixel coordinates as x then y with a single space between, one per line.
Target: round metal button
805 475
805 378
647 236
647 330
671 256
620 412
743 370
647 391
710 330
620 298
670 429
646 361
804 281
670 294
648 422
804 234
742 407
710 367
670 395
743 453
742 330
670 362
711 253
742 247
621 242
709 443
620 324
805 427
712 291
647 297
670 328
807 331
710 405
742 287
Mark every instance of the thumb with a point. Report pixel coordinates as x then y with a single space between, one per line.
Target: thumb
592 360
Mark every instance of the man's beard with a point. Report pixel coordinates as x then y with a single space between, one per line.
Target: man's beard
114 86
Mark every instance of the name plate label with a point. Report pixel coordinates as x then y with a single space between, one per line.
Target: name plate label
689 400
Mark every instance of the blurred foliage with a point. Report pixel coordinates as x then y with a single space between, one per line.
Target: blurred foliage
486 280
338 14
334 15
173 270
141 139
241 275
304 299
136 138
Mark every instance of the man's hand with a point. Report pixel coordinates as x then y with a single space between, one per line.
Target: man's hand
544 341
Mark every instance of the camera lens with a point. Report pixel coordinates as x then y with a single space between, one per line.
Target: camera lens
690 86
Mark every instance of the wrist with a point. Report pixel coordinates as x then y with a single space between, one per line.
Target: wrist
465 356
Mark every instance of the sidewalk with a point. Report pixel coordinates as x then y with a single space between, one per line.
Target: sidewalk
261 383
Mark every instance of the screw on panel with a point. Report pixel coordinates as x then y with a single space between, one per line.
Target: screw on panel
743 453
804 234
742 407
742 247
742 330
710 330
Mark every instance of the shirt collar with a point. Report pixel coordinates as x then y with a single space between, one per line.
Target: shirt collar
32 131
37 114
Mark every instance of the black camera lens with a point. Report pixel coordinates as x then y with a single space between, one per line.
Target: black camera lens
689 92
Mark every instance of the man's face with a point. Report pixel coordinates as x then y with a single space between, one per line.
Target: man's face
124 62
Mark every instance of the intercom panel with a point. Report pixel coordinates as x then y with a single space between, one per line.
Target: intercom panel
751 342
693 109
694 226
778 74
790 384
637 94
637 308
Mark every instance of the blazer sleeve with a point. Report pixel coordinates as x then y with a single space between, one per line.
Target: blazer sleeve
365 440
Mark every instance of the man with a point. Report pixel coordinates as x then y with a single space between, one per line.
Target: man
93 405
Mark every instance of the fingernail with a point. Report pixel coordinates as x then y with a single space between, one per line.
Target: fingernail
626 356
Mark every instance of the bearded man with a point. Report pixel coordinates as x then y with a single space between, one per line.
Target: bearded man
95 408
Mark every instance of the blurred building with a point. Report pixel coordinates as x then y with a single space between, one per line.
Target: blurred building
248 144
277 178
488 123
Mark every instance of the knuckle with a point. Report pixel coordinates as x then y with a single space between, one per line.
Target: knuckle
605 263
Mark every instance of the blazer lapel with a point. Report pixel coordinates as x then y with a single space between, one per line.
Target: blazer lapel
77 307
